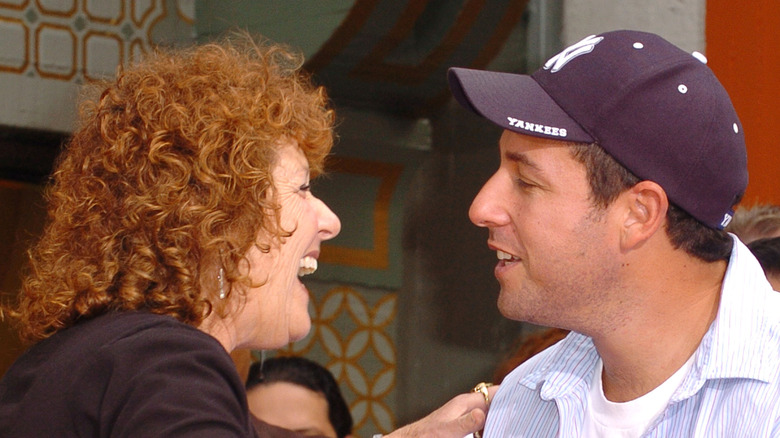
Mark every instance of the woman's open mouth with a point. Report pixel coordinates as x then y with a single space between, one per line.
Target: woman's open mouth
307 265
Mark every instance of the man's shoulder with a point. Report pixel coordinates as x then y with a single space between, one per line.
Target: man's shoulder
525 400
574 355
536 364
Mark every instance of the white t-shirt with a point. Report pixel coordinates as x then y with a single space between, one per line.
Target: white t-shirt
606 419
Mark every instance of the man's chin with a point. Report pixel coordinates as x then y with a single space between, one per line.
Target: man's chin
509 309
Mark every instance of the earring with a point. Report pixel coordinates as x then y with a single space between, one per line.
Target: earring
221 282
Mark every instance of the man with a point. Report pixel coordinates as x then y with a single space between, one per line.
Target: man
621 162
298 394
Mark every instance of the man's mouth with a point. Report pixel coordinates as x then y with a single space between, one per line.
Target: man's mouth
307 266
505 256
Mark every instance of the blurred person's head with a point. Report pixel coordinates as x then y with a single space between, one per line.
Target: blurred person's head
757 222
298 394
767 251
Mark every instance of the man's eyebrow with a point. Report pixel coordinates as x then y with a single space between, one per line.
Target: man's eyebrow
309 431
523 159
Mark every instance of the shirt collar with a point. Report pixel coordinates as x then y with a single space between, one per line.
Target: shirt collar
741 329
568 368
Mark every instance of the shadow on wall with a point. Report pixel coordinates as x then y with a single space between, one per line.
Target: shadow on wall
453 254
453 249
450 332
21 221
26 159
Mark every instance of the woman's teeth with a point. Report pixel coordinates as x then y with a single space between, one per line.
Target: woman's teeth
504 256
307 266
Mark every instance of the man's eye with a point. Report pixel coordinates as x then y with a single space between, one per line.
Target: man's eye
305 188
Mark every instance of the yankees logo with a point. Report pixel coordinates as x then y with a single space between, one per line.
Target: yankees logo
585 46
726 220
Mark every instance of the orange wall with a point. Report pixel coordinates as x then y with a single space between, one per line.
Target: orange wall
742 43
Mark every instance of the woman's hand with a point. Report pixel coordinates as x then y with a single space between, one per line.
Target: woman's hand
464 414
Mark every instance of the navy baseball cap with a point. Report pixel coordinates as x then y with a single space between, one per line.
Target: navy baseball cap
658 110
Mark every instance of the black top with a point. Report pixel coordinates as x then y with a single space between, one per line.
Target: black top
128 374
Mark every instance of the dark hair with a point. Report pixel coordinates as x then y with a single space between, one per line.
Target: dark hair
309 374
608 179
767 251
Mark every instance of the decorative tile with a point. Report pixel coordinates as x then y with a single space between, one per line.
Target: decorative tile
14 55
353 336
70 40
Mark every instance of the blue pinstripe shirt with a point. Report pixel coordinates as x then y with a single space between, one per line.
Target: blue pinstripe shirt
732 389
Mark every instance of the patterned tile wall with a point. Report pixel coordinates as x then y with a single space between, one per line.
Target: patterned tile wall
47 47
72 40
353 335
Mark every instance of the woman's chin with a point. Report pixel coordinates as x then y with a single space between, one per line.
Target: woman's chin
300 331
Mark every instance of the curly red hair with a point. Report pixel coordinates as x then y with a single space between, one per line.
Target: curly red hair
167 177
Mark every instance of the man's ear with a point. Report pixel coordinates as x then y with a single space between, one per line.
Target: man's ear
645 207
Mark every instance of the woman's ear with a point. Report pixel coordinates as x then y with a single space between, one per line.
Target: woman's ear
645 213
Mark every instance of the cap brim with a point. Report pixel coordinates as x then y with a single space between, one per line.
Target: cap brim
514 102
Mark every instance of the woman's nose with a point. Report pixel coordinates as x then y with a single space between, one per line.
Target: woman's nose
329 223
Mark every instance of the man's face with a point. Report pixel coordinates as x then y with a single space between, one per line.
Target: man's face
292 407
557 256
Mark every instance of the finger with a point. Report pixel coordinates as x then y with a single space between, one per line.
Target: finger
487 390
467 424
464 403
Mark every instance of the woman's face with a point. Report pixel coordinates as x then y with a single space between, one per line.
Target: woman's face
276 308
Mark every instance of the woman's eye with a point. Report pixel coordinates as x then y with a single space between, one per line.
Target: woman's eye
305 188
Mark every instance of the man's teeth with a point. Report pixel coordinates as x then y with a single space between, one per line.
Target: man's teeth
504 256
307 266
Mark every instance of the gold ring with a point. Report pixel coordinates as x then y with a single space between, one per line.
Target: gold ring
482 387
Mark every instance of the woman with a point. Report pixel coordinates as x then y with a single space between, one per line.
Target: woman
180 218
